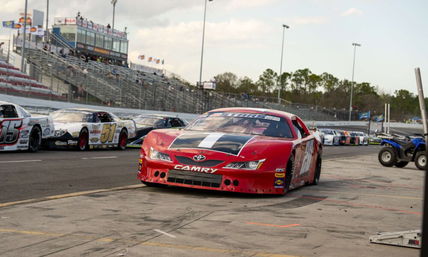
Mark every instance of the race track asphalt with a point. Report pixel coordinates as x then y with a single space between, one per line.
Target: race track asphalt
33 175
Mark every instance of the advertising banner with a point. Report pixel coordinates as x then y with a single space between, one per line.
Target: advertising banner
8 24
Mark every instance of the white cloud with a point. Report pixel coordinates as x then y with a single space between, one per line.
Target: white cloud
180 44
352 11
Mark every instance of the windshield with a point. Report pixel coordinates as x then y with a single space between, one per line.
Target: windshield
72 116
245 123
148 121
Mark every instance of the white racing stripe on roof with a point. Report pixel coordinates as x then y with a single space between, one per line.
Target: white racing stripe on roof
210 140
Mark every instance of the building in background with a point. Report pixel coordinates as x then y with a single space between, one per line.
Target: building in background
92 40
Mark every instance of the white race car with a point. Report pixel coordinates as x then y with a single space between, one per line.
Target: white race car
364 138
21 131
330 136
87 128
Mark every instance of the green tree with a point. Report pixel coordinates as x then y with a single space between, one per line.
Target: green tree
246 85
267 81
226 82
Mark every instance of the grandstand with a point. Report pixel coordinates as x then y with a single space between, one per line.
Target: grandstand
76 67
13 81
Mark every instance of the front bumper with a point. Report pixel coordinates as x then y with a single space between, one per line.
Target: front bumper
241 181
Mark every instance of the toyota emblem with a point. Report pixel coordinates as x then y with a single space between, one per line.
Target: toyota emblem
199 158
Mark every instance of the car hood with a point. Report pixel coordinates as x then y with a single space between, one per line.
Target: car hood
225 143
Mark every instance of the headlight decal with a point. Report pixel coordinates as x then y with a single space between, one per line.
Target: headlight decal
250 165
156 155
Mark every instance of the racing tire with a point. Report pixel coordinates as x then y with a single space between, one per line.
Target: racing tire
289 174
83 142
400 164
420 160
387 157
123 140
317 172
35 140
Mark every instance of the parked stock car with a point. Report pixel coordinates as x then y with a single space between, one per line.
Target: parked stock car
234 149
148 122
363 138
344 137
355 138
21 131
330 136
87 128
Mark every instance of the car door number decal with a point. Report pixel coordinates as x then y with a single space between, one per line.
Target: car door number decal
107 134
307 158
9 131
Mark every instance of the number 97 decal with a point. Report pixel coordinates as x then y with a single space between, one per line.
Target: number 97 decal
107 134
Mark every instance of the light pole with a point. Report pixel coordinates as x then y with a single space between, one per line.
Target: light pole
113 2
203 42
280 66
47 21
352 82
24 35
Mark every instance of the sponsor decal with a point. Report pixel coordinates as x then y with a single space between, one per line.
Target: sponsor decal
95 131
25 133
60 143
94 140
22 147
23 142
75 134
280 170
195 168
279 182
46 132
279 175
248 115
230 144
72 142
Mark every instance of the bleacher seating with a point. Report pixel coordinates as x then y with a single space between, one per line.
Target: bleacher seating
13 81
121 86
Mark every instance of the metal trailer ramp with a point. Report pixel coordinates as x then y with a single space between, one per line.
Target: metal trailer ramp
410 238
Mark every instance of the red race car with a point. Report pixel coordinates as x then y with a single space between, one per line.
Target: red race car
244 150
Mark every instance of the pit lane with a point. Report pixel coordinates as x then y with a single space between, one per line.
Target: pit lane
46 173
356 198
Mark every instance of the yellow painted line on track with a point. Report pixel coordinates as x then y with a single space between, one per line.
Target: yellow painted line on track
154 244
53 197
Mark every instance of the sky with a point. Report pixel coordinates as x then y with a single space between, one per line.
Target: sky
244 36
